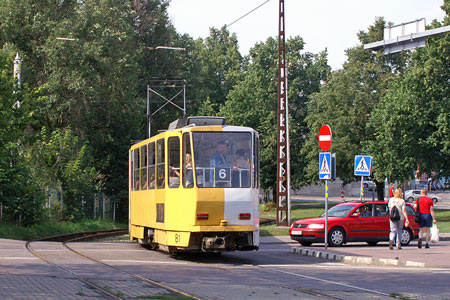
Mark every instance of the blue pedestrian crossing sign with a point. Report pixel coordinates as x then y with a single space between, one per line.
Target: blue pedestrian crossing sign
325 165
363 165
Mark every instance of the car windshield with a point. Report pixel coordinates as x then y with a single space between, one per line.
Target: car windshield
339 210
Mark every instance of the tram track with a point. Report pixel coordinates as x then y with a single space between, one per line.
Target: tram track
306 291
105 291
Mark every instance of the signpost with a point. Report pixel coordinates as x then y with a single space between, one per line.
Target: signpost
325 137
363 167
327 167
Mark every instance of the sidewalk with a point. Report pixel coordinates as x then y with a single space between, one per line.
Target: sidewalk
361 253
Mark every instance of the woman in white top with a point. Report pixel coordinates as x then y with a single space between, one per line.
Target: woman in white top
397 226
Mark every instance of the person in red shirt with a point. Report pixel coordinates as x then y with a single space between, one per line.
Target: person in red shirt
427 218
391 191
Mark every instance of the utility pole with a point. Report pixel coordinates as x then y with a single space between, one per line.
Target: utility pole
283 156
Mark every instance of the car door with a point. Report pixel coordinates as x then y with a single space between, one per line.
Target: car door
362 227
381 216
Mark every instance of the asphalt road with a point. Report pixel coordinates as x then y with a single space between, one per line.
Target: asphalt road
273 272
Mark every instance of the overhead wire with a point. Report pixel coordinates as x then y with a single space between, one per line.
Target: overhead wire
246 14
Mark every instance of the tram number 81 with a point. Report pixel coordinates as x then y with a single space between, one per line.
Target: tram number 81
177 238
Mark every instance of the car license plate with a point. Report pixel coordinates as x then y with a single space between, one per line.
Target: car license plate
296 232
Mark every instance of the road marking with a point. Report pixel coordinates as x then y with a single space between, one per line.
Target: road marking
145 261
14 258
329 281
441 272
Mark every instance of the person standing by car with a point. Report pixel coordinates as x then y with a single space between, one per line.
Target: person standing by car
427 218
397 226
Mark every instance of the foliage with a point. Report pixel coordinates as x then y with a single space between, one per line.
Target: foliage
20 197
253 100
58 161
88 82
346 103
83 99
412 121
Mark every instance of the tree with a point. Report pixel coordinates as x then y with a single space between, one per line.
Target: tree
346 103
20 197
411 122
59 161
253 100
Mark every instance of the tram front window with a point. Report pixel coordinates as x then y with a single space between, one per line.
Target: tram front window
222 159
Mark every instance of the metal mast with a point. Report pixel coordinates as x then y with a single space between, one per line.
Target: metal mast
283 164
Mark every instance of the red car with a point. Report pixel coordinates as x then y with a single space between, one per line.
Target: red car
356 221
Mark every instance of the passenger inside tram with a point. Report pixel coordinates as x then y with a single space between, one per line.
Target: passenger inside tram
188 174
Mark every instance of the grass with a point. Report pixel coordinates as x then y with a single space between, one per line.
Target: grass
443 220
305 210
50 228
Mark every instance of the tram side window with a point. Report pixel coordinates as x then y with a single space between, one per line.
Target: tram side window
151 165
188 175
256 163
144 183
136 167
174 162
160 165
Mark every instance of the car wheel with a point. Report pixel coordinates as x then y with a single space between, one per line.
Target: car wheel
306 244
405 236
336 237
410 200
372 243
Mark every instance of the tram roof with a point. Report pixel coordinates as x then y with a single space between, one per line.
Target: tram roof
190 128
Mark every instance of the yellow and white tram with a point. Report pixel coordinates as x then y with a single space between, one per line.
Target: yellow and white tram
196 188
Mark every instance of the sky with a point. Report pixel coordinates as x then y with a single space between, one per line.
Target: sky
330 24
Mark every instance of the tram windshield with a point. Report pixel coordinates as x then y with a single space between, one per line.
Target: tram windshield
222 159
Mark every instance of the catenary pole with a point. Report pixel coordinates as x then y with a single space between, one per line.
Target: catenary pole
283 167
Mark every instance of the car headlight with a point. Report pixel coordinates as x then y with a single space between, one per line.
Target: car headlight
316 226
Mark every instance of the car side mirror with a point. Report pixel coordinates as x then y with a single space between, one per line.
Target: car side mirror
355 215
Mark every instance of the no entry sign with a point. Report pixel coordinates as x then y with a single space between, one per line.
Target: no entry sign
325 137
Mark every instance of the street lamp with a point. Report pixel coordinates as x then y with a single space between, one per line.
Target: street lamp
17 77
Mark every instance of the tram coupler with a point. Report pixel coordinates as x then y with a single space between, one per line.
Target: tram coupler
213 243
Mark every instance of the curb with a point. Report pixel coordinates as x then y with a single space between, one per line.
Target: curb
265 240
359 260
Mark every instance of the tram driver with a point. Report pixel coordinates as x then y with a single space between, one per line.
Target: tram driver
219 159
